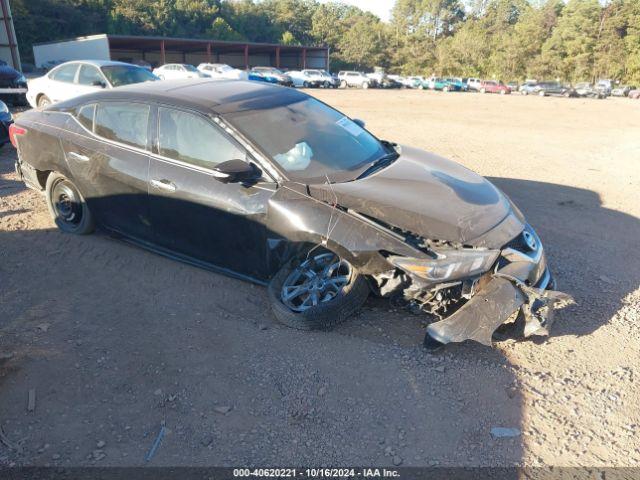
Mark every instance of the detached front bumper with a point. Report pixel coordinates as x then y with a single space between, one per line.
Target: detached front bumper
521 281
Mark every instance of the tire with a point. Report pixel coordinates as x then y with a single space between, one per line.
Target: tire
305 84
483 90
43 101
541 93
365 85
326 314
503 92
525 93
343 84
421 87
445 89
67 206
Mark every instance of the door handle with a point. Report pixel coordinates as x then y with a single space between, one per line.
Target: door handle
79 157
165 185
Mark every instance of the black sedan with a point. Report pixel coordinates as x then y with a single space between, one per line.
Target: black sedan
273 186
13 85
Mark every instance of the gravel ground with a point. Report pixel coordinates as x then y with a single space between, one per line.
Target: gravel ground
116 342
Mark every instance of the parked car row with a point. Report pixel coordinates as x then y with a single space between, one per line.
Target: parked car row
71 79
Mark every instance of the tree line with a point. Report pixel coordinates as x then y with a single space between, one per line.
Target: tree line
571 40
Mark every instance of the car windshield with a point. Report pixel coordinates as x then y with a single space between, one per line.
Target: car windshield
310 141
190 68
127 74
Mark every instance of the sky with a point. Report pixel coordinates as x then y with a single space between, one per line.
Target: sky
381 8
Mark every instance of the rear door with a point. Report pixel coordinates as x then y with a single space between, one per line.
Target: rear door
106 150
193 213
61 83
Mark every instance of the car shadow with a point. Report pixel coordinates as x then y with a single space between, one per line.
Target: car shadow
587 248
7 158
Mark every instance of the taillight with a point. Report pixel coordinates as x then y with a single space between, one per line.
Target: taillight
15 131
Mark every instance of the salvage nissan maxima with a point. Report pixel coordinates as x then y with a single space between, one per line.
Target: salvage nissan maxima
271 185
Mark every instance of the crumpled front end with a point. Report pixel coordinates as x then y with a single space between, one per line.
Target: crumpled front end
519 282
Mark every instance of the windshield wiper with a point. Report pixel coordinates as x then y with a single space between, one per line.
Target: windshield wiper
380 163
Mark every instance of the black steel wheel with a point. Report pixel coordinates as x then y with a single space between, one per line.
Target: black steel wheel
67 206
317 291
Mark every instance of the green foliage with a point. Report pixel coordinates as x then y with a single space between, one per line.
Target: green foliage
505 39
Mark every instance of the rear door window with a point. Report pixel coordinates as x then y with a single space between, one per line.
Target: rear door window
193 139
65 73
123 122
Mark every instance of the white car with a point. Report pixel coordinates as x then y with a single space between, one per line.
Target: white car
474 84
306 78
354 79
72 79
222 71
172 71
329 80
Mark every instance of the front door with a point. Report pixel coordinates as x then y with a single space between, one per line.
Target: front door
193 213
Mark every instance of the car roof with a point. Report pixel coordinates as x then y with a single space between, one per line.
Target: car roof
97 63
206 95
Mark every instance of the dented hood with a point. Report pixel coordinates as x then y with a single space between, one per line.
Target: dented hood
424 194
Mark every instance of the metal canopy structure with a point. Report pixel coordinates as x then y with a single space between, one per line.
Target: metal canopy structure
161 50
8 42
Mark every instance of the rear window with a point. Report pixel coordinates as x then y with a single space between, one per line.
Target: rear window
127 74
123 122
66 73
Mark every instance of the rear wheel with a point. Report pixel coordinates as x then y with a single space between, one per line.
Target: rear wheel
317 291
541 93
445 89
343 84
67 207
483 90
365 85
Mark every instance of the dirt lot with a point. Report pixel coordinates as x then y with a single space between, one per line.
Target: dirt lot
117 341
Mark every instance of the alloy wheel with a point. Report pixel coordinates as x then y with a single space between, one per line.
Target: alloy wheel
317 280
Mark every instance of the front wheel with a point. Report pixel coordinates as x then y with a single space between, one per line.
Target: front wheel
365 85
343 84
67 207
541 93
483 90
43 101
445 89
317 291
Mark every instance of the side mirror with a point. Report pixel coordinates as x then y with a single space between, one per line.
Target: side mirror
99 83
359 122
236 171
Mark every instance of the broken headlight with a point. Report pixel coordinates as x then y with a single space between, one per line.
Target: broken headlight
450 264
